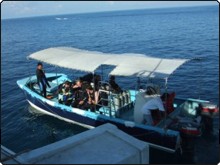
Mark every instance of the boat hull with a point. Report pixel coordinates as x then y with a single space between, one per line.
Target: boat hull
167 140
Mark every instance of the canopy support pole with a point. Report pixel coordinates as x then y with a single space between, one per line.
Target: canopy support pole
102 71
57 83
138 83
56 75
93 79
166 92
29 80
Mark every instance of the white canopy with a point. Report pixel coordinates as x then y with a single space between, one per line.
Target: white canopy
125 64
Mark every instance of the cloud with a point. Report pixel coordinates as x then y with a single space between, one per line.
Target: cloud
17 6
30 8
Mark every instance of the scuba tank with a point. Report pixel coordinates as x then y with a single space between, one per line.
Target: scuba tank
117 102
129 97
125 96
122 100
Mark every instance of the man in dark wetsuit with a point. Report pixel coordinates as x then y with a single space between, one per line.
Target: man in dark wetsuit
90 102
41 79
79 93
114 86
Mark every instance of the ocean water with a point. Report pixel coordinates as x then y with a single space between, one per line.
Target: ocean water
191 32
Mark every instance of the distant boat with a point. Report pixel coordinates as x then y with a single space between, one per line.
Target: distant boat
122 109
58 18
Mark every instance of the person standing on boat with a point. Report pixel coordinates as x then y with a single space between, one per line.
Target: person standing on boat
153 104
41 79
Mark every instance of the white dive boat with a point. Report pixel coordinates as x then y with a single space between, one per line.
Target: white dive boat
122 109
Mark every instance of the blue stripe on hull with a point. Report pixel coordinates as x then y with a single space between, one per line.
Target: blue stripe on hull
144 133
59 112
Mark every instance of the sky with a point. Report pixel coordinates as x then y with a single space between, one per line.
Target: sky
19 9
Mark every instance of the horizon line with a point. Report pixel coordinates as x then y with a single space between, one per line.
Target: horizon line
93 12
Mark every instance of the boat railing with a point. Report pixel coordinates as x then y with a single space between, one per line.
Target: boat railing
115 103
106 107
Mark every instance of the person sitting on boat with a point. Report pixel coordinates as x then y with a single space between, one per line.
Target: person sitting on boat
114 86
88 78
77 85
168 99
153 104
66 93
96 86
97 79
41 79
90 102
80 97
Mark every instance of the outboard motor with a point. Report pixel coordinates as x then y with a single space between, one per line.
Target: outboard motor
208 109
